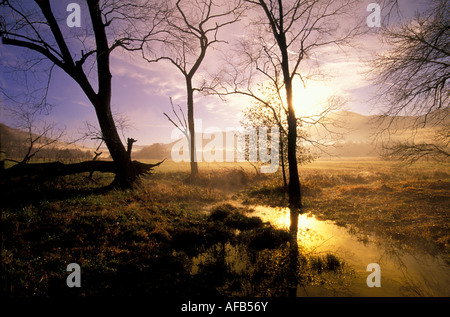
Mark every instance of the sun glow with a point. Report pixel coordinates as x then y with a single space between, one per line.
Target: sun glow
312 99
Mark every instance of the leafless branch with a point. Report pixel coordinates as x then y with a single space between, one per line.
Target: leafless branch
412 77
182 124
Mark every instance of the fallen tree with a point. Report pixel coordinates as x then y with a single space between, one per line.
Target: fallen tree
55 169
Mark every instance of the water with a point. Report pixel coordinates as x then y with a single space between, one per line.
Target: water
403 273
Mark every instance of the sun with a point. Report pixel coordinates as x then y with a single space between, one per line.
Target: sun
310 100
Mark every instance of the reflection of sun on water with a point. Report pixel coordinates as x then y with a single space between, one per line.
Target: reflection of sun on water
309 228
283 220
405 274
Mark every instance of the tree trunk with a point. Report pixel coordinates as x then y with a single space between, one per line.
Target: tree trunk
55 169
294 181
283 167
130 142
2 153
126 174
192 147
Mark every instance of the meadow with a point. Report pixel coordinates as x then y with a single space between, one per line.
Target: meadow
406 203
169 237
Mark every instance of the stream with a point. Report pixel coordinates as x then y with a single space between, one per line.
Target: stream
402 273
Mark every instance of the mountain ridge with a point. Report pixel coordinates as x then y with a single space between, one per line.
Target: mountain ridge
347 134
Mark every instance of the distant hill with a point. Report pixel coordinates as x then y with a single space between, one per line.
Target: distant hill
15 143
356 135
347 134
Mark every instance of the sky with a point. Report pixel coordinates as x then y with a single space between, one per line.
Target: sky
141 91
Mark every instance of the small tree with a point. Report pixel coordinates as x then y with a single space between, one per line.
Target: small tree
40 133
269 111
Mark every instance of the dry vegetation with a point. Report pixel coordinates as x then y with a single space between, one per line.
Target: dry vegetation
157 230
408 204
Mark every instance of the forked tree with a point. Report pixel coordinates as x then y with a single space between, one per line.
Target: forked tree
191 29
35 27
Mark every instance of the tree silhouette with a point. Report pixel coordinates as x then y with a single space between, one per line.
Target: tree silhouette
190 28
35 27
286 34
40 133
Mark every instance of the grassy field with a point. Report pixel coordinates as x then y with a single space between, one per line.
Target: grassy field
408 204
149 240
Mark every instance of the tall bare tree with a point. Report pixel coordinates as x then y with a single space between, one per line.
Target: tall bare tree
286 37
34 26
413 80
191 28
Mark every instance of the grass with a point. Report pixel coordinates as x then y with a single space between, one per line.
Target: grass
133 242
147 241
406 204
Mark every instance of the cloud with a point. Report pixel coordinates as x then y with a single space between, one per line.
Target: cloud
81 103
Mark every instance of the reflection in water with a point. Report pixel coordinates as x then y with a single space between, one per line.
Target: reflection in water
293 255
403 273
241 267
321 259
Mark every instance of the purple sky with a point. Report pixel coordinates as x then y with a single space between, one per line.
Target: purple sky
141 91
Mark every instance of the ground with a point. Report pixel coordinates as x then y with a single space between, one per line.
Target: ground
409 204
175 234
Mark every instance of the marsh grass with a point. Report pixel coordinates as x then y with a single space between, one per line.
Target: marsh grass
144 241
130 242
406 204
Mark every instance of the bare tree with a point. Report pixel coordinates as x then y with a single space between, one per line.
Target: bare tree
413 80
40 133
191 28
269 113
413 152
34 27
287 35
